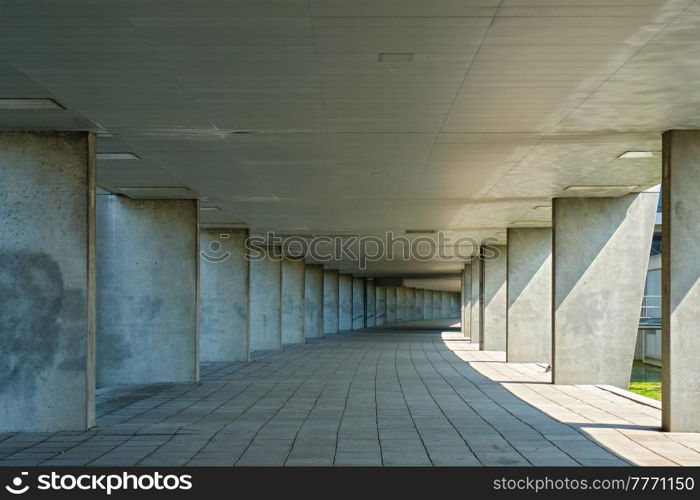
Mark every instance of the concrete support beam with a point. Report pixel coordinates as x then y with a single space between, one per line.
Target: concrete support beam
330 302
147 291
380 312
400 304
358 303
225 276
477 310
419 304
371 304
455 309
47 281
446 305
390 305
265 304
466 300
529 295
345 302
293 299
410 304
495 299
681 281
428 305
313 301
600 258
437 304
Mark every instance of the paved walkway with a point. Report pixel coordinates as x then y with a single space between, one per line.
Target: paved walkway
396 396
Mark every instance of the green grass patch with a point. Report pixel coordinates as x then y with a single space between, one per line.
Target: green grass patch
648 389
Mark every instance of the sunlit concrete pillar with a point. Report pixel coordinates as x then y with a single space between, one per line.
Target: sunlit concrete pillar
466 300
600 257
148 264
390 305
410 304
495 299
476 302
437 304
371 303
380 312
529 295
419 304
330 301
358 303
400 304
428 305
344 302
313 301
292 322
47 281
224 288
446 305
265 326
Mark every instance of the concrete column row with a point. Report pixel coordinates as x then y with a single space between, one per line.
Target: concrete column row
397 304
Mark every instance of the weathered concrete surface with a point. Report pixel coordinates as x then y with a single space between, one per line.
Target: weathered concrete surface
476 303
344 302
681 278
466 300
410 304
390 305
529 295
428 305
330 302
223 316
419 302
400 304
455 309
358 303
380 312
313 301
47 281
495 297
147 291
293 302
446 305
437 304
265 305
600 257
371 304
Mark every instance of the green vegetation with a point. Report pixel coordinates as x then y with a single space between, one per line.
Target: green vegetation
646 380
648 389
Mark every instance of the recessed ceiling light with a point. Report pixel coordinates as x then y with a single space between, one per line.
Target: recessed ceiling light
543 207
530 223
395 57
384 174
420 231
639 154
209 209
31 103
603 187
117 156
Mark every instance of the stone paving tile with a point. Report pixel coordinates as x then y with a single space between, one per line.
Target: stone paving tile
392 396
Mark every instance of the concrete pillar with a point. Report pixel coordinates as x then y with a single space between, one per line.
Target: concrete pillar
330 302
293 299
466 300
400 304
225 276
358 303
147 291
529 287
446 305
410 304
437 304
345 302
495 299
313 301
600 258
476 302
681 281
265 325
47 281
380 312
390 305
419 304
454 305
428 305
371 304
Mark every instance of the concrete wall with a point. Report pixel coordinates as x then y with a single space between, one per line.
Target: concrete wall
358 303
600 257
419 301
529 295
380 312
390 305
455 309
437 304
293 299
47 288
147 291
428 305
313 301
265 305
466 300
224 295
330 302
476 304
400 304
371 304
410 304
495 297
446 305
345 302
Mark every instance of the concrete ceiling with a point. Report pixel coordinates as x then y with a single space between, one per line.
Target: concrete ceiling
282 114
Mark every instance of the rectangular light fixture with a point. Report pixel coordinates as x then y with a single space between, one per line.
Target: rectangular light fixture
602 187
395 57
530 223
543 207
210 209
29 103
420 231
117 156
639 154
